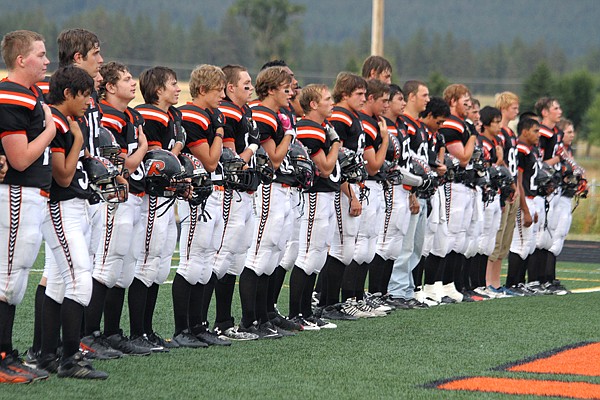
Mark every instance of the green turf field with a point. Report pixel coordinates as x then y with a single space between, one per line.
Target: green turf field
391 357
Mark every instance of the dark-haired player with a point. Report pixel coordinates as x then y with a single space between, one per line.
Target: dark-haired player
67 229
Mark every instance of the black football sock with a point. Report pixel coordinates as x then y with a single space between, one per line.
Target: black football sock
150 306
40 293
298 280
320 276
417 273
71 316
483 260
275 285
459 273
533 266
262 287
376 270
551 267
432 269
388 268
348 280
113 308
322 283
136 299
195 316
209 289
448 270
93 312
453 267
335 275
542 265
472 267
7 318
181 293
515 264
361 279
247 289
224 289
306 305
51 315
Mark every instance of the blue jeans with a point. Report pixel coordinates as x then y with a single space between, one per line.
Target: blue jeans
402 283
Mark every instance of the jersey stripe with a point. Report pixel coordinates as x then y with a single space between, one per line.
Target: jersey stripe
341 117
18 99
523 149
370 129
308 132
113 122
60 124
261 116
230 112
545 132
154 115
196 118
457 126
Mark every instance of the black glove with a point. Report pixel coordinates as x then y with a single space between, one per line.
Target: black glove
216 119
253 133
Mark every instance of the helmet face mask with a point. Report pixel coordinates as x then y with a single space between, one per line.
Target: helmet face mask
195 176
304 168
236 175
102 175
164 174
351 165
545 180
110 149
264 166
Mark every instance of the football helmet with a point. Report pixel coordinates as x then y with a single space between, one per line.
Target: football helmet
264 166
392 172
236 175
302 165
164 173
430 178
545 180
109 148
394 150
199 178
102 176
351 165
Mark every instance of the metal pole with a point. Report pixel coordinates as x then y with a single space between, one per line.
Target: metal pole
377 28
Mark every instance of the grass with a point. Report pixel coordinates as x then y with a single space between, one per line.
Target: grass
391 357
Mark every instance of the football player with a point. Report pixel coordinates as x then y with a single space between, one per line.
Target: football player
114 265
318 216
200 236
156 239
67 230
26 131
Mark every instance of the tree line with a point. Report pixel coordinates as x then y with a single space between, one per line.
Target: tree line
254 31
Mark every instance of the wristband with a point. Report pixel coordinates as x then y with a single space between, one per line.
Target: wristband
253 147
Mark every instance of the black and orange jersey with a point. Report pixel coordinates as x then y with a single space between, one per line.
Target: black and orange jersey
314 137
63 143
21 113
238 125
89 124
509 147
201 126
159 126
372 138
419 138
349 128
44 86
269 127
125 127
527 163
489 149
550 139
398 129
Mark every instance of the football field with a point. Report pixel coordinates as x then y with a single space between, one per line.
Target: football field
405 355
